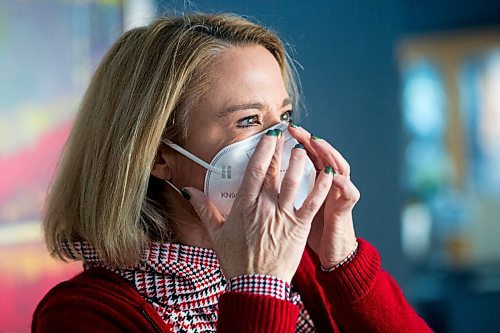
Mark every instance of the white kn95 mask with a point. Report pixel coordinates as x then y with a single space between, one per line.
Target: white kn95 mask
226 170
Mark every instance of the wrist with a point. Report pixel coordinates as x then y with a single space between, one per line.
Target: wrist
329 265
337 242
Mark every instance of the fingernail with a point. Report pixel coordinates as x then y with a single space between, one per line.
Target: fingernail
278 132
294 125
314 137
271 133
298 145
329 170
185 194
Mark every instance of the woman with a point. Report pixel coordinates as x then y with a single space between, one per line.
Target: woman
160 259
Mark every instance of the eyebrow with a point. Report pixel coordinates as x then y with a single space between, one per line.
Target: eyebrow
251 106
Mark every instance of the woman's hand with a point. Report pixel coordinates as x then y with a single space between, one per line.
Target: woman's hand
332 233
264 233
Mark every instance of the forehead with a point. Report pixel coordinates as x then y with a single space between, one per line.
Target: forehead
246 74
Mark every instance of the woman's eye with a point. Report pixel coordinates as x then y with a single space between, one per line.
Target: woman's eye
248 121
287 116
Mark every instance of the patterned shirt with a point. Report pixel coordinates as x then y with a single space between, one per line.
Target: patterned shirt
183 283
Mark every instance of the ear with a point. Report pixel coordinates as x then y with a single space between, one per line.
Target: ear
162 165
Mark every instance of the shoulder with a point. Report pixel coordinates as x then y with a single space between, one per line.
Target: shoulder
96 300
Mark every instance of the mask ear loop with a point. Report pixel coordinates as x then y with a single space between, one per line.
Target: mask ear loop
193 157
174 187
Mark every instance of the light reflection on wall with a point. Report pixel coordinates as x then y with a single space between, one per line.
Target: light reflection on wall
48 51
424 118
480 86
480 100
451 166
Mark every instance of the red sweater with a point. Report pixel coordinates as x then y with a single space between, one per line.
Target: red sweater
357 297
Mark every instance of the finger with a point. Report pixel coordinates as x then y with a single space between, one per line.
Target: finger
316 233
209 215
257 166
347 190
272 179
303 137
291 181
330 155
315 199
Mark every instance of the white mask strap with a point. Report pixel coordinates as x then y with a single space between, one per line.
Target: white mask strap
173 186
193 157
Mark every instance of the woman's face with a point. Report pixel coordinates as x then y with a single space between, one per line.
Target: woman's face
247 94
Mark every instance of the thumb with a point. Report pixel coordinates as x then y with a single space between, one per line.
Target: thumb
209 215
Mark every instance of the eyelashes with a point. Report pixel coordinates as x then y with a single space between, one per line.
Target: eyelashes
287 116
249 121
254 120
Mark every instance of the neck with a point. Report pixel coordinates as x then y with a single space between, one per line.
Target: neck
187 227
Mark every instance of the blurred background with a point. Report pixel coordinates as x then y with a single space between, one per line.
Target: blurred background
408 91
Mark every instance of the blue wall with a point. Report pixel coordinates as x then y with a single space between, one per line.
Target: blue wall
350 82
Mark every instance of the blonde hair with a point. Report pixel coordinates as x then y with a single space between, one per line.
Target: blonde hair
140 94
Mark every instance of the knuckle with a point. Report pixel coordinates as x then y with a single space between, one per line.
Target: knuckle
357 196
324 185
353 197
273 169
289 183
348 168
201 210
297 154
244 198
256 170
312 205
268 182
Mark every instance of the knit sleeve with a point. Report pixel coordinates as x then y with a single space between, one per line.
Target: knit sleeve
87 304
364 298
257 303
79 314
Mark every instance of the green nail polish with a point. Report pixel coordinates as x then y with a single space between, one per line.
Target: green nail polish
329 170
294 125
271 133
298 145
185 194
278 132
314 137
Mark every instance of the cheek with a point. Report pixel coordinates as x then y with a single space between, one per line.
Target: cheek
190 174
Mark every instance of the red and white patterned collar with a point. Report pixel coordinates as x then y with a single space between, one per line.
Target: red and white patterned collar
183 283
170 276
